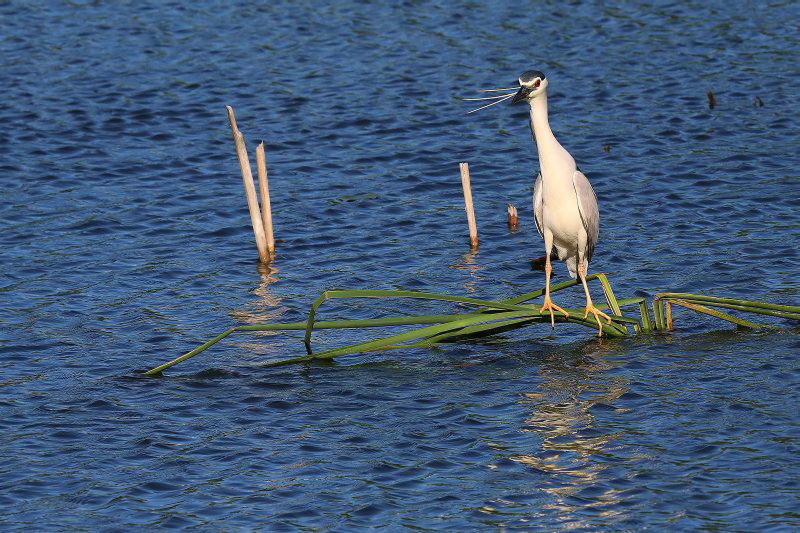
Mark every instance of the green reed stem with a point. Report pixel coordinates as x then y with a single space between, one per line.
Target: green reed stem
646 324
337 324
553 288
732 301
330 295
658 315
387 342
718 314
478 331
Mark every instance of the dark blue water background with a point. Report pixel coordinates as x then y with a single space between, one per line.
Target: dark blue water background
126 241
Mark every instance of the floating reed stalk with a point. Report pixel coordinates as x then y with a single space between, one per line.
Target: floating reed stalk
465 184
489 317
513 218
266 205
717 314
701 304
250 189
492 317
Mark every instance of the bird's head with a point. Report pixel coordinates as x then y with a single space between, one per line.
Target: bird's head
532 83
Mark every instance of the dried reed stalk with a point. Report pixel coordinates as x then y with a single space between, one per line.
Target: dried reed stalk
263 189
250 189
473 227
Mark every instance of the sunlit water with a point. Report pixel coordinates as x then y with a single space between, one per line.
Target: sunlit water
126 241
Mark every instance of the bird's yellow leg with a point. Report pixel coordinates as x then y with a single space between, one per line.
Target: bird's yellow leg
590 308
548 304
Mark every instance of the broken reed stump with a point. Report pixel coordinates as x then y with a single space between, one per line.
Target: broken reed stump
465 184
711 100
513 218
250 189
266 206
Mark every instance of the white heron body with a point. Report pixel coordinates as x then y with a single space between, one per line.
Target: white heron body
564 204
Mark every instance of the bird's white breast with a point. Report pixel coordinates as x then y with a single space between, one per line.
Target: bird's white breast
560 208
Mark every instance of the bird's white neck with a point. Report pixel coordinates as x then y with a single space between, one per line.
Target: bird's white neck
551 154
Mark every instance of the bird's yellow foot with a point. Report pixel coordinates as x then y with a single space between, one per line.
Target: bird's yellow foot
597 313
548 305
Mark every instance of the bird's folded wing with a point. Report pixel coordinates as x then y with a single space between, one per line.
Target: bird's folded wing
587 206
537 204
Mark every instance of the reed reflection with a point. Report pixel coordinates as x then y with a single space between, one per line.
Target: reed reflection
468 265
266 308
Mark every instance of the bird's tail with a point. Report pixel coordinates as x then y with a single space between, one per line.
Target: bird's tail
572 266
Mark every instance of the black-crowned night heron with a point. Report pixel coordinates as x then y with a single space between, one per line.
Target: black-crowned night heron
564 203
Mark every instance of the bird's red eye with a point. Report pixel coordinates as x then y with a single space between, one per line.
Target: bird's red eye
537 83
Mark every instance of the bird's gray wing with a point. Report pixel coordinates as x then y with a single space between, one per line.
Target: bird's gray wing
590 214
537 204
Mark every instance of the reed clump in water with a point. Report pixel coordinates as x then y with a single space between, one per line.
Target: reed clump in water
492 317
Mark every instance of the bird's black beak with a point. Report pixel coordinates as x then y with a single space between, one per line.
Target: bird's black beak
521 95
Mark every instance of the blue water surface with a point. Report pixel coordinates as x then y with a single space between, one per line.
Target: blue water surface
126 241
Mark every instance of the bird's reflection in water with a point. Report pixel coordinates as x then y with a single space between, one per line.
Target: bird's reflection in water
265 309
468 265
573 451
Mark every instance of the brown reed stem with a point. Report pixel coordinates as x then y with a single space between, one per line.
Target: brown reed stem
513 218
